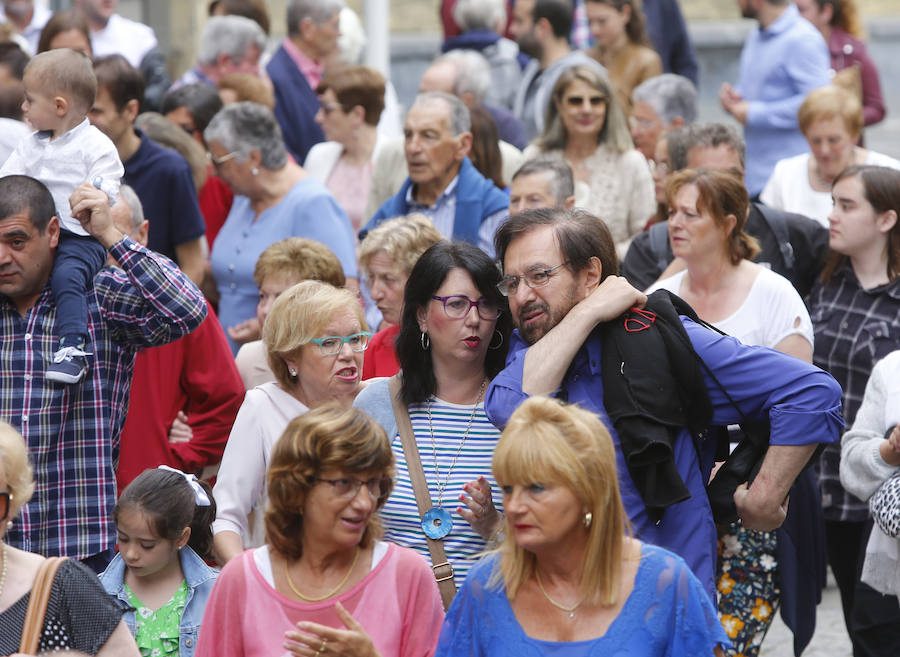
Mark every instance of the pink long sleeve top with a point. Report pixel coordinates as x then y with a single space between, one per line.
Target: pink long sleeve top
397 603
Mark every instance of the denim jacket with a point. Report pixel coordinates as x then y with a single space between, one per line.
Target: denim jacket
200 579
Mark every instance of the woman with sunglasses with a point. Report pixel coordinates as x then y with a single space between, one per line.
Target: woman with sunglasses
315 336
324 584
586 126
454 331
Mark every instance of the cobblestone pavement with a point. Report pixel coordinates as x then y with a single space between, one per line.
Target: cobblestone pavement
830 639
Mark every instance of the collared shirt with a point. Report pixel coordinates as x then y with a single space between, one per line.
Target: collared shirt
854 328
32 32
83 154
311 69
801 402
72 432
193 75
780 65
443 212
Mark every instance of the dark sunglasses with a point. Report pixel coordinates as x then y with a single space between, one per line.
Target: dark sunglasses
578 101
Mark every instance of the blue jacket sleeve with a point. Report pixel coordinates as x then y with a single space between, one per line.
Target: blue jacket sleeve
505 392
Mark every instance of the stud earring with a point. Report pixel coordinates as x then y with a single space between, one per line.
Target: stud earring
588 519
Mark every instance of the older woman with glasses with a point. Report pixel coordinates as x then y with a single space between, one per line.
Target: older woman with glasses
274 198
315 336
324 584
453 335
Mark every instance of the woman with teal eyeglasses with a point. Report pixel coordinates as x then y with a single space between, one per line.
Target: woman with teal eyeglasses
315 336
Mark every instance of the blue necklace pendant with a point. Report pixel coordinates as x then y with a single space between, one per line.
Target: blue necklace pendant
437 523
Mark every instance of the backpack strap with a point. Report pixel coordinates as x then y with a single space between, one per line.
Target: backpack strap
778 225
659 245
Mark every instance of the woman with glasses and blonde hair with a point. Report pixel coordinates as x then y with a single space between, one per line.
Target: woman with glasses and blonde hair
586 127
315 336
567 579
324 584
454 331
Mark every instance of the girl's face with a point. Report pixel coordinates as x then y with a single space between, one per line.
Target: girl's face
606 23
145 553
854 226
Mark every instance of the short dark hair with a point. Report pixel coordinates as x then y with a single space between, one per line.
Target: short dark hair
61 21
427 275
13 58
559 13
255 10
579 235
122 81
200 100
561 183
169 503
26 194
711 135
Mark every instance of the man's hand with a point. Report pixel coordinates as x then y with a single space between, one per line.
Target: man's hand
181 431
756 513
610 299
733 103
90 206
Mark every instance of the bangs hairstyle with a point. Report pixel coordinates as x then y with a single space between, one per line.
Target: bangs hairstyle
357 85
170 504
614 133
719 194
547 442
881 188
428 274
329 437
16 467
635 28
402 239
299 259
65 72
828 103
300 314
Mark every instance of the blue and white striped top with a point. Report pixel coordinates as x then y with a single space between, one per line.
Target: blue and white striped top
400 516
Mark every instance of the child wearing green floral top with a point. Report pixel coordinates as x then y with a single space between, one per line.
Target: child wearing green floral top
163 521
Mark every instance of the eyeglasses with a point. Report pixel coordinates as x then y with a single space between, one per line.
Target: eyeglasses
578 101
348 487
331 345
5 499
533 278
219 161
328 108
457 306
661 167
635 123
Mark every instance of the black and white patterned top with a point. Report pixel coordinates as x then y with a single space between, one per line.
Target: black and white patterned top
80 614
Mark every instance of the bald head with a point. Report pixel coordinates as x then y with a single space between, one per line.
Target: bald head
440 76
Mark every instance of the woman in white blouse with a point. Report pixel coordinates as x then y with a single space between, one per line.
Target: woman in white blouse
831 119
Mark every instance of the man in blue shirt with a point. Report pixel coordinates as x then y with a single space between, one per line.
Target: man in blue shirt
781 62
560 278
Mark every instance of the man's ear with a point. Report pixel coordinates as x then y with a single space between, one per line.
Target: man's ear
464 145
569 202
52 231
592 274
143 232
131 110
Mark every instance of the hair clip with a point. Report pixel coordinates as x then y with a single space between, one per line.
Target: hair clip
200 496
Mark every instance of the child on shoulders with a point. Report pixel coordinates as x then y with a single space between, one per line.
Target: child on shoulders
163 522
64 151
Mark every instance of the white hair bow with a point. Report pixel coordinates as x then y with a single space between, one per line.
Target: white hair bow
200 496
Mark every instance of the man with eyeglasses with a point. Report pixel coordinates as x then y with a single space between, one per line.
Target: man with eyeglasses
573 342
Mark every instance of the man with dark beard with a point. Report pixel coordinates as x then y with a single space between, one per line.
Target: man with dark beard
567 304
541 28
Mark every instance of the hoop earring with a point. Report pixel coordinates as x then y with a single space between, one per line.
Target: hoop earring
499 344
425 340
588 519
254 171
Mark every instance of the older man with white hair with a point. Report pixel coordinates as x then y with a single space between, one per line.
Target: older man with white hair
661 104
229 44
26 19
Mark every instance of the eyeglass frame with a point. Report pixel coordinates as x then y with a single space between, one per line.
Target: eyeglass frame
357 484
503 285
9 499
345 339
475 304
219 161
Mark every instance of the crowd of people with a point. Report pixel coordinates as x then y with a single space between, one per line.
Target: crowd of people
541 365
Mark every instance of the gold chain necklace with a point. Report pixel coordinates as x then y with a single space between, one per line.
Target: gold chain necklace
570 610
437 471
287 576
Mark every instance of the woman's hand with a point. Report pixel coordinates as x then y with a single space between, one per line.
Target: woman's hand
890 447
480 511
313 639
245 331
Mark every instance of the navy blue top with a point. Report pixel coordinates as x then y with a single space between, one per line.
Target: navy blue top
296 105
668 33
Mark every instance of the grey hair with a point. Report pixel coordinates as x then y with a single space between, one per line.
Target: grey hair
561 184
711 135
670 95
129 197
457 112
229 35
318 11
479 14
473 73
245 127
352 41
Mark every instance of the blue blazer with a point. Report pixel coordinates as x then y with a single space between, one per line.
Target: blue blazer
477 198
296 105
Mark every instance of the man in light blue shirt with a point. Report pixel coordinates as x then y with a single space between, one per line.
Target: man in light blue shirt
781 62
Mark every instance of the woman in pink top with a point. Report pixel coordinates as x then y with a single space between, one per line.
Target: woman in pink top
323 584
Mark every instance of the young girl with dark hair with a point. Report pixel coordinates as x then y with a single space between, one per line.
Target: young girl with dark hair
163 520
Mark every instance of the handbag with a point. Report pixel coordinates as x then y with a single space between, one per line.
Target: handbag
443 570
37 605
885 506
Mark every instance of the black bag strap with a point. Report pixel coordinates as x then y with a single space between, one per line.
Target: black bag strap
659 245
778 225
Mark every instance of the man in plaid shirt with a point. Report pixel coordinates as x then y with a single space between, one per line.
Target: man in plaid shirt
72 432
